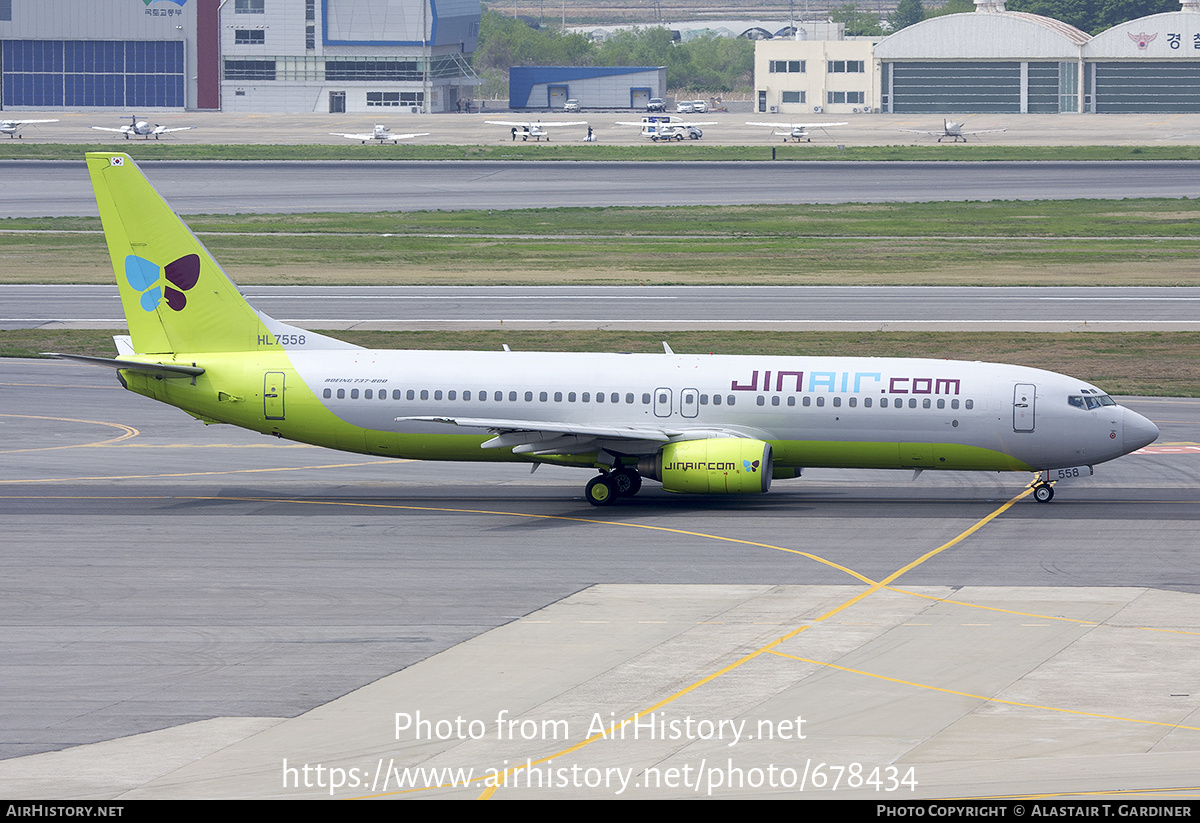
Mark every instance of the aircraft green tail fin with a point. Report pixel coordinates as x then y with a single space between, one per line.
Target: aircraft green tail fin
175 296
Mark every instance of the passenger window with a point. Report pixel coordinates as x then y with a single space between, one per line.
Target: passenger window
341 394
760 400
452 395
586 397
396 394
571 397
628 398
792 400
925 403
328 393
775 400
354 394
941 403
954 404
912 402
853 402
437 395
467 394
646 399
411 394
529 397
883 403
424 394
599 397
716 399
512 396
837 402
704 400
729 400
498 396
820 401
807 401
368 395
970 404
558 397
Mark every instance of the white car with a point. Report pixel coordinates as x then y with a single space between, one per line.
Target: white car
685 107
699 106
571 105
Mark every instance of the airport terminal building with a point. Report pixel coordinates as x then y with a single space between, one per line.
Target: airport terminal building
372 56
991 60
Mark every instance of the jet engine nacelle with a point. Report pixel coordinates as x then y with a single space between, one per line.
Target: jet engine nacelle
715 466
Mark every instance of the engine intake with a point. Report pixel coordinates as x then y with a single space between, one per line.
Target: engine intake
713 466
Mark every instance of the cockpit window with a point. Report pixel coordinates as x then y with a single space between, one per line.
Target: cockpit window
1090 401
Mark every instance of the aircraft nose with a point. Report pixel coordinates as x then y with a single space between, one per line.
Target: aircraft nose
1137 431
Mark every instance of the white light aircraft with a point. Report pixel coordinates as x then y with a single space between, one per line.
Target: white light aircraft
797 131
13 127
952 130
663 127
528 128
381 134
141 128
708 424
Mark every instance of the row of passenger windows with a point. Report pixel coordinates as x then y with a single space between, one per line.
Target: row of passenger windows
897 402
686 398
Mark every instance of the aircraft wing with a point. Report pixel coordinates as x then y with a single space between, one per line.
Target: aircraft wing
407 136
161 130
930 133
527 124
985 131
798 125
538 437
121 130
30 122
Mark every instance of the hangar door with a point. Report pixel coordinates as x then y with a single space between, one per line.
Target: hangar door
945 88
1146 87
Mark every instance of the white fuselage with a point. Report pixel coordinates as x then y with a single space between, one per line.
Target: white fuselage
1018 412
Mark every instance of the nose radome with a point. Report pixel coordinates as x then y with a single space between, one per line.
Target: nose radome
1137 431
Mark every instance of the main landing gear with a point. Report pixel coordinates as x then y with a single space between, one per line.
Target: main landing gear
1043 492
604 489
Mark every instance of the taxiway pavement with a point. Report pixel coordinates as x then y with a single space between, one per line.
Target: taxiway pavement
201 603
33 188
665 308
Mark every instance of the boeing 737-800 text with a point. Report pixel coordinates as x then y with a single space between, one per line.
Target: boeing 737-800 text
708 424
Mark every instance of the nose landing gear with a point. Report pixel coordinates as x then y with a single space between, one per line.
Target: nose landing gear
1043 492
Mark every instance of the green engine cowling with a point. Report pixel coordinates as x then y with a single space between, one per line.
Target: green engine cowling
715 466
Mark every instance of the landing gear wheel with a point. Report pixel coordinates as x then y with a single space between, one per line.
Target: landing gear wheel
1043 493
626 482
600 491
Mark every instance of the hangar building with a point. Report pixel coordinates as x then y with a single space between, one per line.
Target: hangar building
993 60
595 87
238 55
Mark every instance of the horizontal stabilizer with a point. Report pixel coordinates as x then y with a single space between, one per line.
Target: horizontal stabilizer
164 370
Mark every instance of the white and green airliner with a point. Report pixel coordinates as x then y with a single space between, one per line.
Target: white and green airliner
707 424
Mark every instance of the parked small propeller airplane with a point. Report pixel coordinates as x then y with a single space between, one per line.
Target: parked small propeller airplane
797 131
140 128
663 127
528 128
13 127
381 134
952 130
708 424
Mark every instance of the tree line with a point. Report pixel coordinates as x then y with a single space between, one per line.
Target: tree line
710 64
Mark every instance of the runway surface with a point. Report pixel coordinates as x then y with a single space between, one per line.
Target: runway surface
221 589
55 188
657 308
